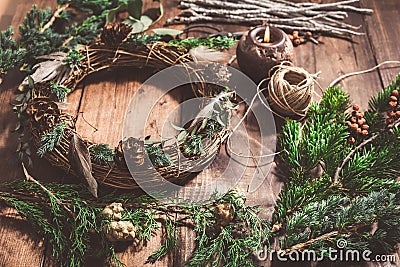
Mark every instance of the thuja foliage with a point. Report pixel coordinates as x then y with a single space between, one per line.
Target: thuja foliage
102 154
51 139
338 189
71 220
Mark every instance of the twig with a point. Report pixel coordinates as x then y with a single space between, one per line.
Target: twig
339 169
44 189
54 17
311 241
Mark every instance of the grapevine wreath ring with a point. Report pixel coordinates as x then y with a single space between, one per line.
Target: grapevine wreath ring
73 154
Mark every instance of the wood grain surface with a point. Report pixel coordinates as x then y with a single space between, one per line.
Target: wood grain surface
102 100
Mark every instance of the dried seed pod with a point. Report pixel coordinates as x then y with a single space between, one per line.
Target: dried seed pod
290 37
295 34
395 93
391 113
308 34
365 127
347 123
351 140
353 119
359 131
364 132
393 98
302 40
353 127
360 115
224 213
361 121
296 41
393 104
356 107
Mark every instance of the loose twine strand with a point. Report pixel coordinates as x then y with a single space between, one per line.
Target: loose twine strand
290 92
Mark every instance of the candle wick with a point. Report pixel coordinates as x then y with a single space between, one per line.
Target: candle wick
267 35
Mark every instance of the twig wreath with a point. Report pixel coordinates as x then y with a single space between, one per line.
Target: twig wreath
54 132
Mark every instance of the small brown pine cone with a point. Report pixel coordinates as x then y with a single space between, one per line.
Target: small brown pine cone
224 213
114 34
395 93
130 151
356 107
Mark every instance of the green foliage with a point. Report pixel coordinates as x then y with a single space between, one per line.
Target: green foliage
10 55
52 139
143 39
19 108
219 43
72 222
36 42
157 156
335 190
378 105
59 91
73 59
102 154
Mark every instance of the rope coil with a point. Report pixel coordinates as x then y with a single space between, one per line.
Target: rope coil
290 90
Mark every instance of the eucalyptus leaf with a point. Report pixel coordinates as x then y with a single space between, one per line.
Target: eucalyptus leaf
178 128
135 8
139 26
166 31
112 14
181 136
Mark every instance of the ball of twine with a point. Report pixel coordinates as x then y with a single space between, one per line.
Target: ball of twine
290 90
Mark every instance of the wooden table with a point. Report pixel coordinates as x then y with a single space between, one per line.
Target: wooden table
112 91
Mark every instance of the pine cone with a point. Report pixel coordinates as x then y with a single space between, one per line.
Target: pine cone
43 89
44 113
224 214
114 34
133 148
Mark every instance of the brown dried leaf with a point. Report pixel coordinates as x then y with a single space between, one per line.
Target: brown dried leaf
81 163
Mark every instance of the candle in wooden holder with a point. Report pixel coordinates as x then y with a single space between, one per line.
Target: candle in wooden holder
261 49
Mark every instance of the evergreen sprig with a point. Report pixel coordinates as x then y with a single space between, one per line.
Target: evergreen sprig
76 234
52 139
102 154
10 55
59 91
316 208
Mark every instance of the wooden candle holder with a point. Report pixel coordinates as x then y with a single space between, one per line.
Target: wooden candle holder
256 58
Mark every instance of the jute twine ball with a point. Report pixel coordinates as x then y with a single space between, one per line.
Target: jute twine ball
290 91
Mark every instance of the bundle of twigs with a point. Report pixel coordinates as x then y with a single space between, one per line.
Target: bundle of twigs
326 19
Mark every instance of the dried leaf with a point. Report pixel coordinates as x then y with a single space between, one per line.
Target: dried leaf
79 157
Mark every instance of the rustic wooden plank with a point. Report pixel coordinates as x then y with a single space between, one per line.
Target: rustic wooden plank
20 245
382 30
